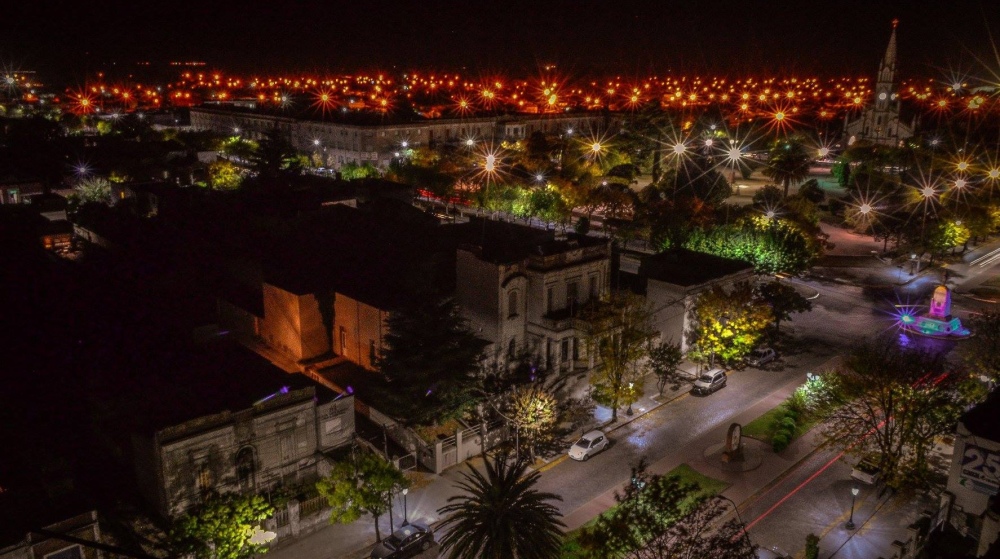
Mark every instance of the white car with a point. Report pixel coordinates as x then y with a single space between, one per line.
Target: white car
588 445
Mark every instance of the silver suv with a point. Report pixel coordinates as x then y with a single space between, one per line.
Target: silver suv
709 382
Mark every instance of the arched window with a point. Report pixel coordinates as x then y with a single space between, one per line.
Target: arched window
512 304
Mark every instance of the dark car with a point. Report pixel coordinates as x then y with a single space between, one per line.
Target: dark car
408 541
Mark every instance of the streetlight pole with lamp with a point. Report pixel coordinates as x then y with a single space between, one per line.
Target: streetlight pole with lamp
854 495
406 520
743 526
629 410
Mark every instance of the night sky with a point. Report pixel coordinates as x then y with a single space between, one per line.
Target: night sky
627 37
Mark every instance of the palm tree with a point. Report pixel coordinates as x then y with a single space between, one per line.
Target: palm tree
788 162
500 516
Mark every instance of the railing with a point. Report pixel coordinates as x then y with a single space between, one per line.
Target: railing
312 506
281 517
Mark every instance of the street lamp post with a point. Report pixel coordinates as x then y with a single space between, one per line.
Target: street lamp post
854 494
743 527
406 520
629 410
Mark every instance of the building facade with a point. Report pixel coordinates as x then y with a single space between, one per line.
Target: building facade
278 441
531 300
879 122
974 477
35 545
337 144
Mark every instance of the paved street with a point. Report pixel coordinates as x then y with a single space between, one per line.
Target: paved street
680 431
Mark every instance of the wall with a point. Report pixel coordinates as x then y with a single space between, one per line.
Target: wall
361 325
36 546
669 311
335 423
281 328
477 289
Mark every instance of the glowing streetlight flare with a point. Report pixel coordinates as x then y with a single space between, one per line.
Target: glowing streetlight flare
962 165
779 116
928 192
491 163
770 214
679 149
960 183
596 147
994 174
865 209
823 152
734 154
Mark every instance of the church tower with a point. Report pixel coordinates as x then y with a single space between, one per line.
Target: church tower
879 122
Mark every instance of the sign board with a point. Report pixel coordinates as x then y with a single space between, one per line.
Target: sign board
981 467
629 264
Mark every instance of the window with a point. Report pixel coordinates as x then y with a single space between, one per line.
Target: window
334 425
204 481
343 341
592 292
572 294
512 309
549 296
512 348
286 444
71 552
371 352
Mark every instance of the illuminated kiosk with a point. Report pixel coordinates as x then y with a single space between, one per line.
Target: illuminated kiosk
938 322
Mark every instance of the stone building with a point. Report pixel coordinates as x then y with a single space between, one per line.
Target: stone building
267 429
37 545
879 122
523 288
338 143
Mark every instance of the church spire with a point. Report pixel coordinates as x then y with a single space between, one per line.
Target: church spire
887 71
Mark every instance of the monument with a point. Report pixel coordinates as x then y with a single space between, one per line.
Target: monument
735 454
938 321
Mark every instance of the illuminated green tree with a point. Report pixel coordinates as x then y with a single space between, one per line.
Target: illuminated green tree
947 234
94 190
618 330
365 484
221 528
982 351
728 325
224 175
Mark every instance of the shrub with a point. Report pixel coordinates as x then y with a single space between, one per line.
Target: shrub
788 424
812 546
780 441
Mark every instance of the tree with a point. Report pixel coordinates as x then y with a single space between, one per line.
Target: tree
811 190
365 484
784 301
664 360
618 330
534 412
224 175
983 349
812 546
275 156
430 360
772 245
788 162
221 528
95 190
947 234
728 324
661 517
888 404
501 515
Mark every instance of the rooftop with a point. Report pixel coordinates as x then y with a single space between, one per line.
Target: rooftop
688 268
984 419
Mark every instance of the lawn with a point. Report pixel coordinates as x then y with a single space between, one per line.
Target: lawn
707 487
764 427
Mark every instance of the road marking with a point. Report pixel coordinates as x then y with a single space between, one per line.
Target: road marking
553 463
987 258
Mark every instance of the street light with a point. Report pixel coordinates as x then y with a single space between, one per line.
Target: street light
854 494
629 410
743 527
405 519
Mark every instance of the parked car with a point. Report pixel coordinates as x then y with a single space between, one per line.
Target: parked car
408 541
588 445
866 472
761 356
709 382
